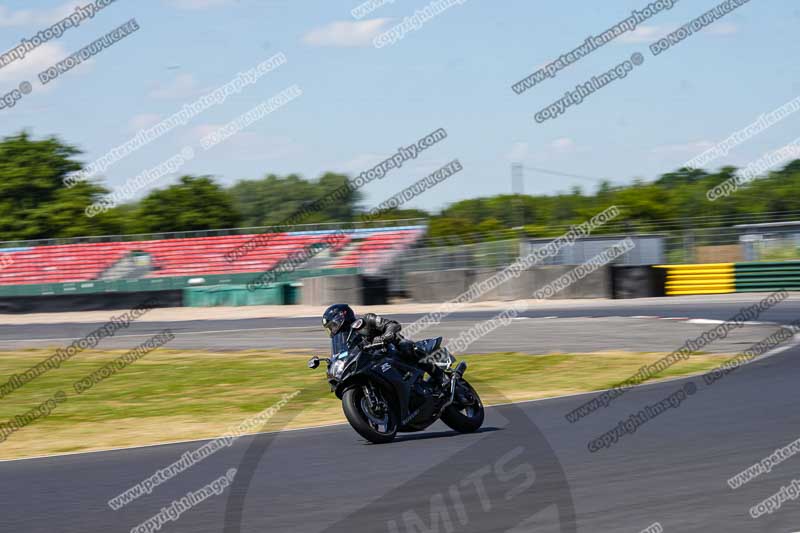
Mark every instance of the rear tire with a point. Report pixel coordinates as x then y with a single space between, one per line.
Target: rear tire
465 418
376 429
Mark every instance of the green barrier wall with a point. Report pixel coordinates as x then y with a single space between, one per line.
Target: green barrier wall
767 276
238 295
158 284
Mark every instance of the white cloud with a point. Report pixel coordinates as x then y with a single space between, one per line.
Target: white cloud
59 13
723 28
12 19
643 34
35 62
361 163
345 33
556 149
251 146
182 86
563 144
649 34
247 145
202 130
198 4
35 17
142 121
692 147
518 152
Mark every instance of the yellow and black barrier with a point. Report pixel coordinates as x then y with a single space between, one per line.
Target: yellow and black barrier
709 278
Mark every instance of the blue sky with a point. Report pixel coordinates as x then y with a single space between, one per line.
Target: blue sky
361 103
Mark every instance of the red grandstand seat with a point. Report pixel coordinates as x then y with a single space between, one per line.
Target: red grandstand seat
194 255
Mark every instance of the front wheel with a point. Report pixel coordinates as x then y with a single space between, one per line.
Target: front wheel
465 414
370 414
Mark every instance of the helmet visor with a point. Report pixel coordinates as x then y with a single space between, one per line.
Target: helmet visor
333 325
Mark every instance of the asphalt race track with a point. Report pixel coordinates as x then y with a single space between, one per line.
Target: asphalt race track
529 465
590 327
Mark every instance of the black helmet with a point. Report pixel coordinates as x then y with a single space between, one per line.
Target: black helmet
336 317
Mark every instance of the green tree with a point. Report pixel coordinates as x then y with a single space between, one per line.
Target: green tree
400 214
34 202
194 203
274 199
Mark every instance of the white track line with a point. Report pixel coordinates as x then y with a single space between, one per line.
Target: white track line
690 320
775 351
151 334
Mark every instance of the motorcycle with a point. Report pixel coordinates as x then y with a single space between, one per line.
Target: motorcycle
382 394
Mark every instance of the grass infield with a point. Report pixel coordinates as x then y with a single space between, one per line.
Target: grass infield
171 395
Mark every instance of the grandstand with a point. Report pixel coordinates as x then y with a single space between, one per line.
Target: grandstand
368 249
377 249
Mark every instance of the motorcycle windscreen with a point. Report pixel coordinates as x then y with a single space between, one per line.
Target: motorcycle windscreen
339 342
344 341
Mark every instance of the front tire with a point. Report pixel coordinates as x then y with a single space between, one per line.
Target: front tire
378 427
466 416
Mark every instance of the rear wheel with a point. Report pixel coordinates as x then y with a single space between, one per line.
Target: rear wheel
465 414
370 414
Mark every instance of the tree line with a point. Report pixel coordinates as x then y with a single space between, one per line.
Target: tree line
36 204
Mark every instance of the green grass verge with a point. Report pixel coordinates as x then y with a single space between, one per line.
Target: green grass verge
178 395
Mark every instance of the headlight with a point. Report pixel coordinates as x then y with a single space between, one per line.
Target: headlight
337 368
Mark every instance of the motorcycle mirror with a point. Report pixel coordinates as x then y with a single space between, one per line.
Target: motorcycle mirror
313 362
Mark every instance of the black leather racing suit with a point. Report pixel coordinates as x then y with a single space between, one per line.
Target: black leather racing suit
376 328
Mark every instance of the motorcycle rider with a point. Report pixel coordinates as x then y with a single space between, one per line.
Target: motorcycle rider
341 319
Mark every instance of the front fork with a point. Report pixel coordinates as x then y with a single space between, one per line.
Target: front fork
455 377
376 404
